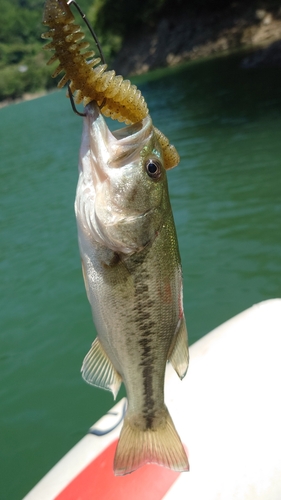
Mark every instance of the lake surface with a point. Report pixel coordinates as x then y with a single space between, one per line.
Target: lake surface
226 197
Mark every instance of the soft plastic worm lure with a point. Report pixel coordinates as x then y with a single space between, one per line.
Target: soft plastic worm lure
89 80
118 98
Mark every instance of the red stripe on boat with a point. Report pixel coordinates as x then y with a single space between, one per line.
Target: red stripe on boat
97 481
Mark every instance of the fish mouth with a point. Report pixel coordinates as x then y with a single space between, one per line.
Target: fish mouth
108 200
102 149
93 112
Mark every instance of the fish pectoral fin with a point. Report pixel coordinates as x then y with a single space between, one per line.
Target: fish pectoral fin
98 370
137 447
84 272
178 354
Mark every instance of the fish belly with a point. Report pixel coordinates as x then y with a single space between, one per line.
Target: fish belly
137 305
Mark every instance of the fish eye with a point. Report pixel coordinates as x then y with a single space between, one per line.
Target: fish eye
153 168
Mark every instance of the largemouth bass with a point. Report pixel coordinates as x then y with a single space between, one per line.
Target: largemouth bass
133 278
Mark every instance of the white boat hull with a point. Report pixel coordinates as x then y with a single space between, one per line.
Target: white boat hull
227 411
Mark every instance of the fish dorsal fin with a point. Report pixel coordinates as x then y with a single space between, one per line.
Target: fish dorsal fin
178 354
98 370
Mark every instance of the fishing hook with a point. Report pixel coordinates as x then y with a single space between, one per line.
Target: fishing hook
84 17
73 103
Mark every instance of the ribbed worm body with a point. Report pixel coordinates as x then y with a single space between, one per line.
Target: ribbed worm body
90 80
118 98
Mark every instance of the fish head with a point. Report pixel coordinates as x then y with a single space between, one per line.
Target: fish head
122 190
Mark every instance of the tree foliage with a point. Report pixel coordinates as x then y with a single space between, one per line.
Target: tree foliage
124 16
22 61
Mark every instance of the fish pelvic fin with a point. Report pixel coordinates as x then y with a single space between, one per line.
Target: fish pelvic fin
137 447
98 370
178 355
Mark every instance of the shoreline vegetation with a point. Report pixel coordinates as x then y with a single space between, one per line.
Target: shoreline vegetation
193 36
171 36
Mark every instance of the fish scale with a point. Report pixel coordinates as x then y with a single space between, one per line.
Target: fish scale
132 272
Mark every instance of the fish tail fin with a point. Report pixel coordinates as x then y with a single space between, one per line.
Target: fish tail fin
160 445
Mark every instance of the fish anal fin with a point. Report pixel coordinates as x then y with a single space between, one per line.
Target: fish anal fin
98 370
178 355
138 447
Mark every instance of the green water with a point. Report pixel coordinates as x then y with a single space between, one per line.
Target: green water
226 195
